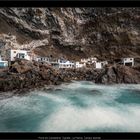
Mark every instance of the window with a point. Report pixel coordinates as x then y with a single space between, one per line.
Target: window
21 55
1 63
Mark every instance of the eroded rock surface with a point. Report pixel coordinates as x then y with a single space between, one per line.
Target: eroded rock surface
106 33
24 75
119 74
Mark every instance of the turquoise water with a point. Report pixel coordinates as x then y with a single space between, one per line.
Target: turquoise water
74 107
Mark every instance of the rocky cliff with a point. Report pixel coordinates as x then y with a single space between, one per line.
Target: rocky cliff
105 33
26 75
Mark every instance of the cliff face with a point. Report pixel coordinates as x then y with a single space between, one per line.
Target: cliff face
105 33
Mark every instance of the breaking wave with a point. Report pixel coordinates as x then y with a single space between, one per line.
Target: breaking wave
74 107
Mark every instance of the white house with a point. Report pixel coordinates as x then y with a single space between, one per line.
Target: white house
55 62
47 59
104 63
89 60
93 59
84 60
21 54
42 59
128 61
79 65
100 65
66 64
3 63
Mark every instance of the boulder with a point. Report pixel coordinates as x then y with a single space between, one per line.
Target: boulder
118 74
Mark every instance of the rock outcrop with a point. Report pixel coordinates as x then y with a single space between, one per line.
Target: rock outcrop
119 74
25 75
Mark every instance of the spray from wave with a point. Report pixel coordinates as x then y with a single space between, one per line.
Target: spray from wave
75 107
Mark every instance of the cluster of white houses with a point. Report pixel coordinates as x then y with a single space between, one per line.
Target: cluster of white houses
11 55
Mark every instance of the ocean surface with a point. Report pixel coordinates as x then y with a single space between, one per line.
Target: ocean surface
73 107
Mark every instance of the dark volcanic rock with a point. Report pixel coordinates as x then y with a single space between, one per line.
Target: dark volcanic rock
106 33
118 74
28 75
25 74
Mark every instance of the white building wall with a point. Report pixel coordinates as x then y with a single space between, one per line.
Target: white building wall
67 64
104 63
79 65
48 60
93 59
128 60
37 59
98 65
84 60
13 53
3 63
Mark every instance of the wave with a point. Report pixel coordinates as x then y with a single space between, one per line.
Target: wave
77 107
69 119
